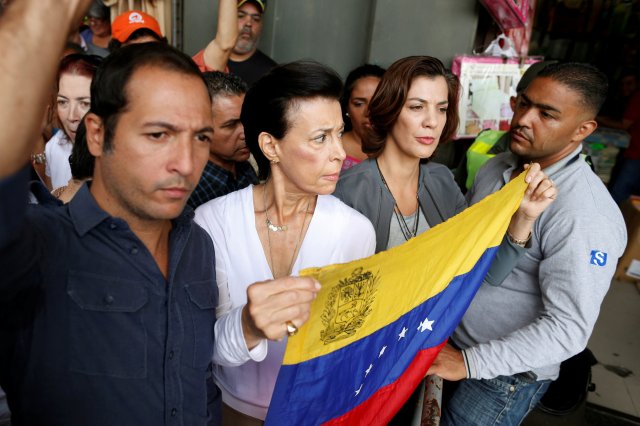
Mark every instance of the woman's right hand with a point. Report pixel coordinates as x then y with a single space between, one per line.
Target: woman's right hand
539 195
271 304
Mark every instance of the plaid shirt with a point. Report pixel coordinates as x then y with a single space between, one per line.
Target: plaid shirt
216 182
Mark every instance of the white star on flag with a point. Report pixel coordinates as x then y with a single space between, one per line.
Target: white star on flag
358 390
382 351
425 325
403 333
368 370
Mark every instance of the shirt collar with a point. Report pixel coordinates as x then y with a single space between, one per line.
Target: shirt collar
554 168
86 214
512 162
242 168
61 137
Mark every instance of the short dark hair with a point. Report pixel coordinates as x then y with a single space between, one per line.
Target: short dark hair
109 86
366 70
391 95
588 81
269 102
81 160
219 83
142 32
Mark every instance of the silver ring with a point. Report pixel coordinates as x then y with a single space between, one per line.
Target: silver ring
292 330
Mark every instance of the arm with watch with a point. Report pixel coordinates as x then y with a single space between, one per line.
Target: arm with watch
538 196
452 363
39 159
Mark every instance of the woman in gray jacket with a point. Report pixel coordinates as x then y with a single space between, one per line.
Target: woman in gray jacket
400 191
397 188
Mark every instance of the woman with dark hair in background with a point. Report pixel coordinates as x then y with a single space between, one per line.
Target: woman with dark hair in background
359 87
293 127
72 102
400 191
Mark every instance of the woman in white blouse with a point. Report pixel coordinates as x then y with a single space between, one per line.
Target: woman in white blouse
293 126
73 100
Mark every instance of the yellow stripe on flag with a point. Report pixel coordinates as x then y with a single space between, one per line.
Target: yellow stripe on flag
360 297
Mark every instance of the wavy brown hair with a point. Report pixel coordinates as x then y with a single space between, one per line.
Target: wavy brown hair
391 95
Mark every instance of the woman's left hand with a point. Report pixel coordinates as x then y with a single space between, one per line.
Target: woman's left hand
539 195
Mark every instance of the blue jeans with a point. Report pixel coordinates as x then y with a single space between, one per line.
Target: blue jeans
504 400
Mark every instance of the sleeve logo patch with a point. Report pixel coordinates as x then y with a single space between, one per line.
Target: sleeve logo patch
598 258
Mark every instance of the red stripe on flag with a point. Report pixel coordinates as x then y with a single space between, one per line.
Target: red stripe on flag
380 408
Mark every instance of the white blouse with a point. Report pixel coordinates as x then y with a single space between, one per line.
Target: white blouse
57 151
336 234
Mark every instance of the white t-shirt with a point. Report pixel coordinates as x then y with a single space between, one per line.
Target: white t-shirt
336 234
57 150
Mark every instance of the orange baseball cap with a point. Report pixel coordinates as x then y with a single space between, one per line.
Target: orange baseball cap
127 23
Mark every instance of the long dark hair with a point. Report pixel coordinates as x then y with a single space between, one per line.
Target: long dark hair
366 70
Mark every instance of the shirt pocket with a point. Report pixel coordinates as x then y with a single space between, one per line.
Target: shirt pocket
107 332
203 298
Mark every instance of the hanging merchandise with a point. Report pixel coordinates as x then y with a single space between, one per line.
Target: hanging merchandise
508 13
486 85
522 36
502 46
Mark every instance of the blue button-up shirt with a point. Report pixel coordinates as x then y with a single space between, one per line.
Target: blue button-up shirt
98 335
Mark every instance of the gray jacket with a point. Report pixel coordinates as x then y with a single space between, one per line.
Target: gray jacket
440 198
362 188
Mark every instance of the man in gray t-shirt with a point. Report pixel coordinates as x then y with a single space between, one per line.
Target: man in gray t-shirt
514 337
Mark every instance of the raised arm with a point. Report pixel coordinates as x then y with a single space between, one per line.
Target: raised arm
25 35
217 52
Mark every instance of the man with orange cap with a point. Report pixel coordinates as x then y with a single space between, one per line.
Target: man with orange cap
132 27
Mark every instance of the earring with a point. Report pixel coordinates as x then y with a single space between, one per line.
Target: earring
274 161
347 114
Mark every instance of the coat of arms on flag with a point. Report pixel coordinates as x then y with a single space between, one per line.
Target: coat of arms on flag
348 305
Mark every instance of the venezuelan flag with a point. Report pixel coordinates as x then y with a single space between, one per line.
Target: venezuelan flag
379 322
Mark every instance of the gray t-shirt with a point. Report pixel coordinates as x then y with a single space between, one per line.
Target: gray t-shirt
544 311
396 237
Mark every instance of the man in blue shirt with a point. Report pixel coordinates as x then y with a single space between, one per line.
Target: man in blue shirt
110 300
